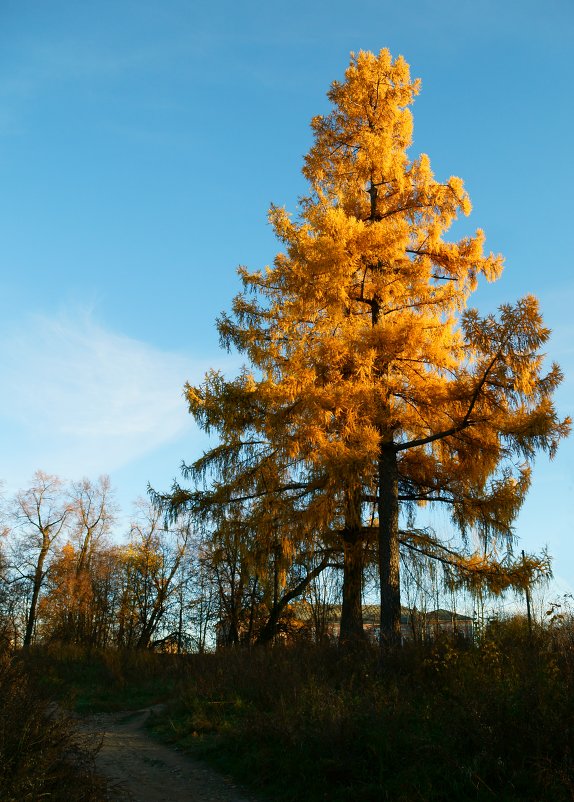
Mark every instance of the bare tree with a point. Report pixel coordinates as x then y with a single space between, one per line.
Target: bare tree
152 561
41 513
94 513
70 608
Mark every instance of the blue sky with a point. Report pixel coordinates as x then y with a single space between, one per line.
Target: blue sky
141 144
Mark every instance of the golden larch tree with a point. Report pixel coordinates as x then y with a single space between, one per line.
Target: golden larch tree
371 386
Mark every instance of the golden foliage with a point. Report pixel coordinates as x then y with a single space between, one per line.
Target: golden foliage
359 336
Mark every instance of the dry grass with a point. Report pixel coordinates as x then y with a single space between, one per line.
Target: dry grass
41 754
448 721
445 722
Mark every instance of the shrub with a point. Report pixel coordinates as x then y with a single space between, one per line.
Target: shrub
436 722
41 754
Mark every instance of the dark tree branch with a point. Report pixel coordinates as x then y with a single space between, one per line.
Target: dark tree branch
465 423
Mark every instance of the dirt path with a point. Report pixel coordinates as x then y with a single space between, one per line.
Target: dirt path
141 770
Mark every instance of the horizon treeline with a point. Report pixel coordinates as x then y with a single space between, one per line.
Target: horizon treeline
68 574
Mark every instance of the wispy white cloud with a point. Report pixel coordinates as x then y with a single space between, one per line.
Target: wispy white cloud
79 399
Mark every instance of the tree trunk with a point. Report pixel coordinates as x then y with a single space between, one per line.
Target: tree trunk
351 630
149 629
269 630
389 548
36 586
180 622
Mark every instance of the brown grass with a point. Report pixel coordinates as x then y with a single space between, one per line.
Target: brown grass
41 754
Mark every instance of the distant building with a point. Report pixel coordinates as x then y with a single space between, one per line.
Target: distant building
303 620
415 624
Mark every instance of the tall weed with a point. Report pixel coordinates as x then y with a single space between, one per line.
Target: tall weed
441 722
41 754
